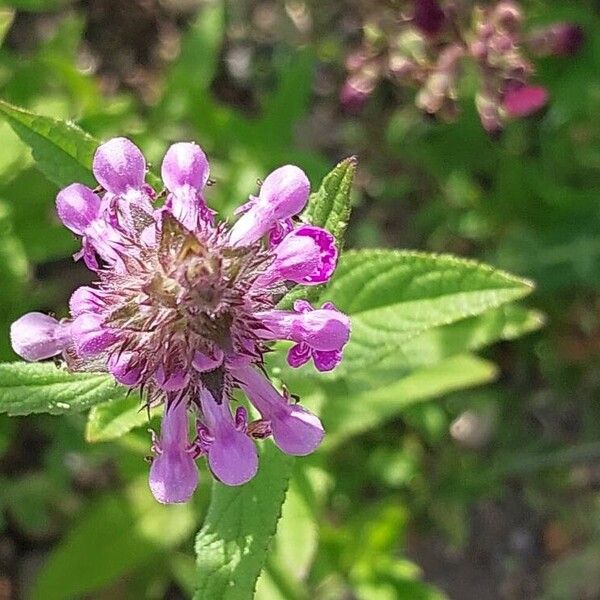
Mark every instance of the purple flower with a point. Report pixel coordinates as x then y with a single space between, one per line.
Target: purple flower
295 430
185 174
119 166
173 473
282 195
558 39
320 334
306 255
36 336
231 453
185 309
523 101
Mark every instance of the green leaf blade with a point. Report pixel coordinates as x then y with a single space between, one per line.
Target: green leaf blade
232 545
27 388
394 296
329 207
348 414
62 151
113 419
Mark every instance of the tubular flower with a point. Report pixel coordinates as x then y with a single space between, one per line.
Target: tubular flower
185 309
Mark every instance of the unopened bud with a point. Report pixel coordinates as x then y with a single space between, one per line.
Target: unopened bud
429 17
560 39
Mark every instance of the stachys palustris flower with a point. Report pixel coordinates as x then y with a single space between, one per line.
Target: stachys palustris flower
184 308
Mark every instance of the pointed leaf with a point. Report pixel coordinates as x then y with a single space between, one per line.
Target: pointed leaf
62 151
329 206
232 545
27 388
394 296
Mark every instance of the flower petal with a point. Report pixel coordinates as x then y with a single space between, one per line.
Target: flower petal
232 455
78 207
36 336
90 337
305 255
172 379
295 430
525 100
85 299
202 362
119 165
126 368
173 473
282 195
299 432
286 190
185 164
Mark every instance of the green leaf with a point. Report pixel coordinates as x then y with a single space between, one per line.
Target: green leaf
434 345
115 418
347 412
329 207
232 545
116 535
27 388
394 296
62 151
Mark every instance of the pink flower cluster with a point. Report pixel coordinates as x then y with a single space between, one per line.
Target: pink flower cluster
185 308
428 47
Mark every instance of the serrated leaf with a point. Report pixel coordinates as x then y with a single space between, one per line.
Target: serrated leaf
113 419
62 151
27 388
329 207
347 412
297 538
437 344
394 296
232 545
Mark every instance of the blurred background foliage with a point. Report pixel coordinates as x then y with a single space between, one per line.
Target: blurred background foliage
487 493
